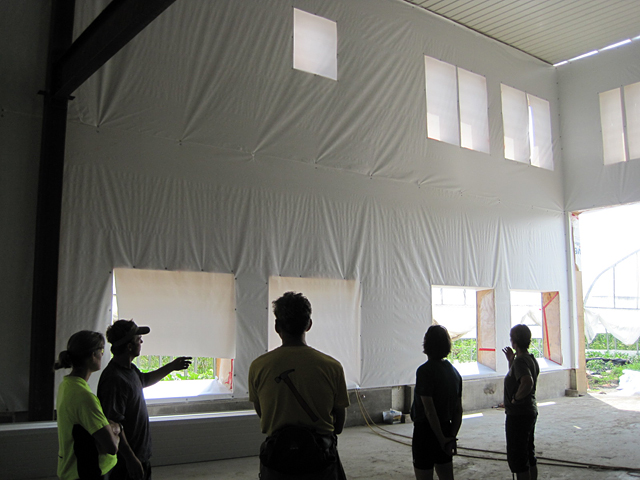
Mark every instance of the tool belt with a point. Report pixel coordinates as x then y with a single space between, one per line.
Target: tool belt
298 450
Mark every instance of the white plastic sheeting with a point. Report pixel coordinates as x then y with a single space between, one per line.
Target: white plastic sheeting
189 313
629 383
622 324
335 315
199 147
589 183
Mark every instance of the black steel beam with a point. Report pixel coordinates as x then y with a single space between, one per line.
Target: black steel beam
49 207
68 66
120 21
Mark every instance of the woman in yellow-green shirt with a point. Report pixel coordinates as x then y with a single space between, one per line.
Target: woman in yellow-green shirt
88 442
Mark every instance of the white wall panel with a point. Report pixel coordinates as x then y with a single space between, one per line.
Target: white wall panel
589 182
198 147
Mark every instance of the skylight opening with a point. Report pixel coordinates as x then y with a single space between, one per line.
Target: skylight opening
616 45
584 55
593 52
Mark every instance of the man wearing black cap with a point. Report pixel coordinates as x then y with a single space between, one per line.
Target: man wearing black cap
120 393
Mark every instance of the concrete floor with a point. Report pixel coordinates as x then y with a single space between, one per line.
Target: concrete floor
595 429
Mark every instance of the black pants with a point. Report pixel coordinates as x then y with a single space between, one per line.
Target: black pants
521 450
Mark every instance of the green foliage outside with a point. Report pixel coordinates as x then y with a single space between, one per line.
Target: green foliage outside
536 348
202 368
600 343
464 350
601 374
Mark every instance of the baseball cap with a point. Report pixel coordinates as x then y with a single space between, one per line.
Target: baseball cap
123 331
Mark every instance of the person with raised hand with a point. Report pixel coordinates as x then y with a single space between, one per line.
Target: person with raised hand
520 404
120 393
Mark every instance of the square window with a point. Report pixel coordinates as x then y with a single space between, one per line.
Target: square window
315 44
456 106
190 314
526 120
469 316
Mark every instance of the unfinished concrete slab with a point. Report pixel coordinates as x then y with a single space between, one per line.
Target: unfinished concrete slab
594 429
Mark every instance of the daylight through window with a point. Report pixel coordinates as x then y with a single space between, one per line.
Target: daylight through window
190 314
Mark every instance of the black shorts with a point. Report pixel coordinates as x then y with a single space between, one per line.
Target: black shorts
521 451
426 449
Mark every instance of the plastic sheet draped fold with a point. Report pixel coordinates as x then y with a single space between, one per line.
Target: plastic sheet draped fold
621 323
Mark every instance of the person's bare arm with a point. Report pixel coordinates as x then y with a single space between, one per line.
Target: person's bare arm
153 377
107 439
510 354
339 417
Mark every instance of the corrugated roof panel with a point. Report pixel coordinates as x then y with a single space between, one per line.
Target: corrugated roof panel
552 30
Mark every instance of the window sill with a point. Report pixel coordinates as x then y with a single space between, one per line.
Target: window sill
185 391
477 370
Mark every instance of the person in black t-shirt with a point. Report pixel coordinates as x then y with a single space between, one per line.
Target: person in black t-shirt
437 408
120 393
520 404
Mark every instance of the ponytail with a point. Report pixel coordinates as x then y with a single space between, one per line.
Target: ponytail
64 360
80 346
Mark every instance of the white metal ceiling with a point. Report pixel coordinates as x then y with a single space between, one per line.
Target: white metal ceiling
551 30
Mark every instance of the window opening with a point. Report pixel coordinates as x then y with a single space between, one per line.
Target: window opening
526 121
189 313
609 264
335 313
469 316
457 110
613 139
632 115
526 308
540 311
315 44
